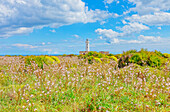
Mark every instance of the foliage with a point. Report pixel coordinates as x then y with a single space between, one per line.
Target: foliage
143 58
90 59
64 54
55 59
41 60
124 61
118 56
97 60
93 56
113 58
105 60
136 58
129 52
166 55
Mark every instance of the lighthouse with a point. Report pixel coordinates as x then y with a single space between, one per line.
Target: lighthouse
88 49
87 45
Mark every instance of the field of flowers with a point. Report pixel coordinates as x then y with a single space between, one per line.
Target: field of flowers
72 84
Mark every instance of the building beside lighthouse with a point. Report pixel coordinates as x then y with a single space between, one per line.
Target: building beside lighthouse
88 49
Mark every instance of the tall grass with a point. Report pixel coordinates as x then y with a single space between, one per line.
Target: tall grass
74 85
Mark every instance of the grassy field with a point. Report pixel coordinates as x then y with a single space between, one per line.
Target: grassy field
74 85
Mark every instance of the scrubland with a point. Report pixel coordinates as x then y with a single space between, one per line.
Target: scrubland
84 84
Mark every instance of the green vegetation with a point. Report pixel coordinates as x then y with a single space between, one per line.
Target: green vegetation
143 58
41 60
92 57
76 84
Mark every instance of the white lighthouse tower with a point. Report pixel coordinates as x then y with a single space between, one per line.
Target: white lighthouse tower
87 45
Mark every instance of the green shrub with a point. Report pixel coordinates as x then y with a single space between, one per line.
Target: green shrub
136 58
97 60
64 55
111 55
8 55
166 55
56 59
49 60
130 52
91 53
41 60
143 57
113 58
124 61
98 57
118 56
90 59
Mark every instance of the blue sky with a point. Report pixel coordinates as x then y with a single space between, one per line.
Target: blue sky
61 26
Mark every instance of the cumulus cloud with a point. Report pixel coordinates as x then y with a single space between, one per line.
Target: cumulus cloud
161 18
24 45
134 27
109 35
149 6
22 16
10 31
113 37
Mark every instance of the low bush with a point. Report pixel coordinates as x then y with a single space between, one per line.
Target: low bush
41 60
113 58
143 57
166 55
55 59
97 60
93 56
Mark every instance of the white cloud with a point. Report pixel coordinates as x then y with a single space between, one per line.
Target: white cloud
7 32
145 39
112 36
101 37
161 18
111 1
77 36
22 16
149 38
159 28
134 41
47 50
124 22
116 15
109 35
102 22
53 31
43 43
133 28
150 6
24 45
108 1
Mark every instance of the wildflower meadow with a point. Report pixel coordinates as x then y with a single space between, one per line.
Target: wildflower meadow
134 81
